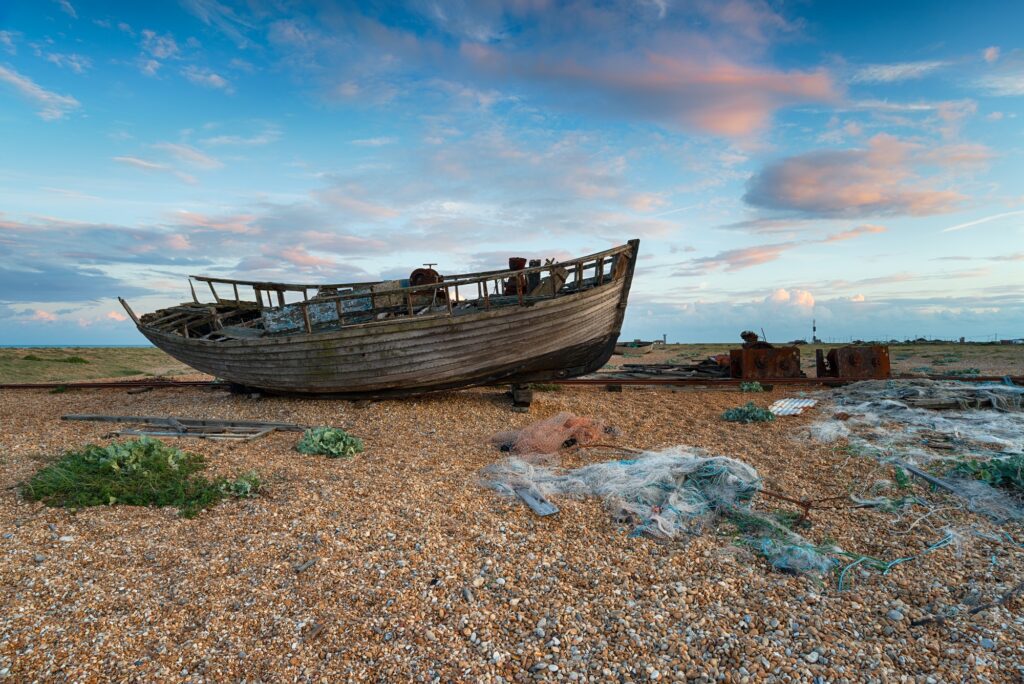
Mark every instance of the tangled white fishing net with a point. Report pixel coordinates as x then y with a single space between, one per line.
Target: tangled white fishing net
663 494
909 421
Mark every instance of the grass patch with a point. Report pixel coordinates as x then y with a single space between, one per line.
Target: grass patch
964 371
331 442
546 387
754 386
748 413
142 472
998 472
66 359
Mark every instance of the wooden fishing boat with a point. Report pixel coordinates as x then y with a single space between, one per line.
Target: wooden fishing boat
517 326
634 347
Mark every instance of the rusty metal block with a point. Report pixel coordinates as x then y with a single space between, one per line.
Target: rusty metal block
868 362
765 363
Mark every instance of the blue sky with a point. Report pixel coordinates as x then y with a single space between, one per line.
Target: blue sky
857 163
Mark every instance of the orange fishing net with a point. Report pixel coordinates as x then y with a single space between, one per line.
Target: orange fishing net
549 435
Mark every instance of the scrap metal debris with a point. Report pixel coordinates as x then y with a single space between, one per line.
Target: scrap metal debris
791 407
864 362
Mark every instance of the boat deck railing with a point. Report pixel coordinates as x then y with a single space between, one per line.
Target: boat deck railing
271 295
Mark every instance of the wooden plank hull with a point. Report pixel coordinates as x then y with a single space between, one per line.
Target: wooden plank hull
562 337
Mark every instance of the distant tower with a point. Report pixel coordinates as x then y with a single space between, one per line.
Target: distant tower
814 330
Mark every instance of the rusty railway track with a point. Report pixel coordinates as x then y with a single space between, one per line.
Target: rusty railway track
600 382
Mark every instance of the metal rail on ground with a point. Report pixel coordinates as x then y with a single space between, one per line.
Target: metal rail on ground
654 381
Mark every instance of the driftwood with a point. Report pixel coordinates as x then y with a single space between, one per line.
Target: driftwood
197 428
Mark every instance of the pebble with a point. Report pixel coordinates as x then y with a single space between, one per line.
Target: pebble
895 615
573 592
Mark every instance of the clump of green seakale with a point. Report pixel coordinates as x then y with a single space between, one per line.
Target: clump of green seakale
331 442
141 472
999 472
748 413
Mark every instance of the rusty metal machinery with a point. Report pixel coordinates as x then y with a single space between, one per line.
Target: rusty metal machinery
764 363
868 362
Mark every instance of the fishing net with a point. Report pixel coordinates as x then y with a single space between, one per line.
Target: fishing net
664 494
549 435
935 425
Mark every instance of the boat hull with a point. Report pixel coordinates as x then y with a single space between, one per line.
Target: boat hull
562 337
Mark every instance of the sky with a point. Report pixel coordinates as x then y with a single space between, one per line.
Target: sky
854 163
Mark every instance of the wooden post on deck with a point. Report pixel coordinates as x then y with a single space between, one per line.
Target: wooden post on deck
305 316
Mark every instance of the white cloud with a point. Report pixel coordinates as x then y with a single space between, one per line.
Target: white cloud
374 142
990 54
190 155
51 105
985 219
1009 84
161 47
67 8
7 41
75 62
206 78
147 165
891 73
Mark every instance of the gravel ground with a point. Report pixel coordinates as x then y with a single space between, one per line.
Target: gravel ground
422 575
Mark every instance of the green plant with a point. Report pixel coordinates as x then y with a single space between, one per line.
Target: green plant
546 387
32 357
245 486
332 442
998 472
749 413
754 386
142 472
902 478
59 389
964 371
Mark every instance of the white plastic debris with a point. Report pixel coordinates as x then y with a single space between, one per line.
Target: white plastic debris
791 407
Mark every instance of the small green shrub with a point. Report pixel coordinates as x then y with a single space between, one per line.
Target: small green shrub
331 442
245 486
998 472
749 413
32 357
964 371
142 472
754 386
